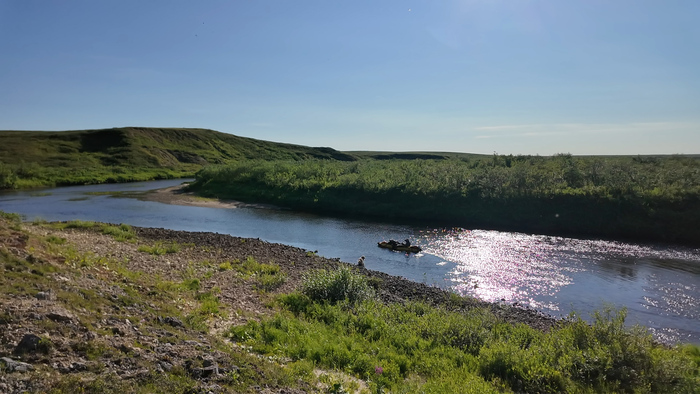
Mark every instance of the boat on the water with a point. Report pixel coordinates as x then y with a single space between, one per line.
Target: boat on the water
399 246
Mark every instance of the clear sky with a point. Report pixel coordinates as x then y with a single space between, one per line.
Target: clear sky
482 76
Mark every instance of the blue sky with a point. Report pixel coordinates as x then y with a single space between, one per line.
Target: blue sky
509 76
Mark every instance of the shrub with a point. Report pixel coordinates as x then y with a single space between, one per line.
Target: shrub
269 282
191 284
52 239
337 285
121 233
419 348
12 217
79 224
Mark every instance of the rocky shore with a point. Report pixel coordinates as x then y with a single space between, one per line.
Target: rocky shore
90 305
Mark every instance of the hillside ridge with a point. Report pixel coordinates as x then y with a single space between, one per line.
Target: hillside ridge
51 158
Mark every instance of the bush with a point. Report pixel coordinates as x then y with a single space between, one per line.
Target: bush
12 217
80 224
603 196
52 239
121 233
269 282
338 285
419 348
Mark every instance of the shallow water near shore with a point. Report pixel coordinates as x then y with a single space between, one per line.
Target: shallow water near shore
658 284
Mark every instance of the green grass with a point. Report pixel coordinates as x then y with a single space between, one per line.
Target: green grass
121 233
423 349
14 220
76 224
160 248
267 276
21 276
52 239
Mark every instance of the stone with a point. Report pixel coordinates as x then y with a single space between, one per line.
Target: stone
60 317
200 373
42 295
15 366
28 344
214 388
208 363
172 321
77 366
125 348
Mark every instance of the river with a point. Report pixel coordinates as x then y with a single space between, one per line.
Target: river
659 285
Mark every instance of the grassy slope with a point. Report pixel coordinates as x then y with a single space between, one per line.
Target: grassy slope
39 158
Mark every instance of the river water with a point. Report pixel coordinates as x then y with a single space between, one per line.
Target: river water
659 285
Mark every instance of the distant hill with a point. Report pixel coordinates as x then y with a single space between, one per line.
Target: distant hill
45 158
381 155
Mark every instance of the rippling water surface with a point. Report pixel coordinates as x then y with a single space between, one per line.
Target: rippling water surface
557 275
659 285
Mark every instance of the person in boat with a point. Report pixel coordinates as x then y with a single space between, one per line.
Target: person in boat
406 243
393 243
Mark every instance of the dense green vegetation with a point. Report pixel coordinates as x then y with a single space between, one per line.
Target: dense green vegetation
418 348
651 198
41 158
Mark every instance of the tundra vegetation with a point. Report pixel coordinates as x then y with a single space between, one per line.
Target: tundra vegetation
112 319
642 198
42 158
653 198
413 347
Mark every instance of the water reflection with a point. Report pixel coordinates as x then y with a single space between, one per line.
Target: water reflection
624 269
658 285
497 266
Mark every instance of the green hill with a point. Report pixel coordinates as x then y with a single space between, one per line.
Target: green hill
43 158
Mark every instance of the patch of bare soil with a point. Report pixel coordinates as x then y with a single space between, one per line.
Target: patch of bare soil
177 196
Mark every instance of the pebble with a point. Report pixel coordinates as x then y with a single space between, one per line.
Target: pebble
42 295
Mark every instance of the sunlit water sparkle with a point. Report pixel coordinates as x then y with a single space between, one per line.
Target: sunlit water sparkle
562 275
